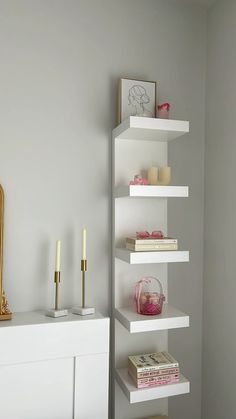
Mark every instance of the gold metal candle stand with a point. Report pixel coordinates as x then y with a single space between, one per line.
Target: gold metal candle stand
56 312
83 310
83 270
5 313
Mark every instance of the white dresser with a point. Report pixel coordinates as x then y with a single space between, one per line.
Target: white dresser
54 368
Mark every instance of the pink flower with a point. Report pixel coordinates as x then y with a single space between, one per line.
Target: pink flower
138 180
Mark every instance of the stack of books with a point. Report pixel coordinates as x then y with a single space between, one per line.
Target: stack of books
151 370
150 244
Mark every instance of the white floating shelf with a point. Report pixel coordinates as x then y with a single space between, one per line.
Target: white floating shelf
151 257
170 318
151 129
135 395
150 191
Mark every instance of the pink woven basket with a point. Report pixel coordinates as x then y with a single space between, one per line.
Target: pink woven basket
148 301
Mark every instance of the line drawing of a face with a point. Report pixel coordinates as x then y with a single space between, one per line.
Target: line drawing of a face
138 98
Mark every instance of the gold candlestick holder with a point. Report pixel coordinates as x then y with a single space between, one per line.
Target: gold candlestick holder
83 310
5 313
56 312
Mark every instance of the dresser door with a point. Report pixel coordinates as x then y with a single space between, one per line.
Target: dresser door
37 390
91 386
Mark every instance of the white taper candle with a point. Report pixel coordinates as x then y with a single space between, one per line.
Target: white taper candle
84 242
58 256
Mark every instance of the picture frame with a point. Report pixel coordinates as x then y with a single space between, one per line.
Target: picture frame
136 98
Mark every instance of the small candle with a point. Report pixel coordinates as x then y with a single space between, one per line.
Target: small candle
84 239
165 175
152 175
58 256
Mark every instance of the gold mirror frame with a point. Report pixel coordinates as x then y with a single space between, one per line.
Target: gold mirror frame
5 313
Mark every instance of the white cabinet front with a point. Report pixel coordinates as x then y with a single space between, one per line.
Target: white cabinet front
37 390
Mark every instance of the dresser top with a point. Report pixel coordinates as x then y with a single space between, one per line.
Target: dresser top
39 318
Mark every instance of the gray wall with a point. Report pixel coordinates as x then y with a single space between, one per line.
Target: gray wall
185 220
219 371
59 64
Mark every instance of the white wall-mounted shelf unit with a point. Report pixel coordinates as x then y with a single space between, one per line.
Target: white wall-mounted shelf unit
129 157
137 395
170 318
150 129
148 191
134 258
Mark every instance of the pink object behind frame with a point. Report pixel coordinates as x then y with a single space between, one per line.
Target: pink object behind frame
163 111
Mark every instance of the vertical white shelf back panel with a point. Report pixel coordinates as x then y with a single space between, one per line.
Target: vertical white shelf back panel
131 157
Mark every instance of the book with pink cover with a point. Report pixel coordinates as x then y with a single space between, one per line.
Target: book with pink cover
153 381
148 385
159 379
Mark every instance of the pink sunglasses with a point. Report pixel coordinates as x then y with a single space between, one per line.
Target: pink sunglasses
147 235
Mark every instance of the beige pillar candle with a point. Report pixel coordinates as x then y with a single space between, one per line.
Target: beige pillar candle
164 175
152 175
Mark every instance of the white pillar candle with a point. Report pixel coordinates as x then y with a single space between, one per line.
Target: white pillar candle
164 175
84 240
58 256
152 175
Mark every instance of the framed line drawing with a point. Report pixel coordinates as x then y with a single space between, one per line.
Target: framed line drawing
136 98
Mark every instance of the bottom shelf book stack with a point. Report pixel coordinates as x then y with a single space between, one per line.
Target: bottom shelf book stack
152 370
